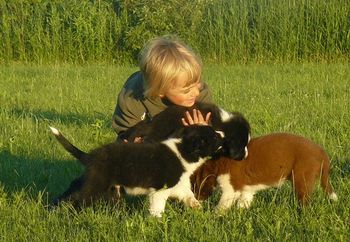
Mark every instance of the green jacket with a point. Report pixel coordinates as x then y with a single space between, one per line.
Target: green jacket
132 106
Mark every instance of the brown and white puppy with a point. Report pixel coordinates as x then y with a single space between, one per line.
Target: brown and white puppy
271 160
160 170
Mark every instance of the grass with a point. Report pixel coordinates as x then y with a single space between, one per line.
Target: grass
229 31
307 99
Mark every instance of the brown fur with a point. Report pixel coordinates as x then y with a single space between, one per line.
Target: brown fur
271 160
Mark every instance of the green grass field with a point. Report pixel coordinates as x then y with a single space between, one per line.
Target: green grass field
308 99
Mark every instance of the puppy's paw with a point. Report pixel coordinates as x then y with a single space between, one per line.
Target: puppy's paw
192 203
244 203
156 213
220 211
333 196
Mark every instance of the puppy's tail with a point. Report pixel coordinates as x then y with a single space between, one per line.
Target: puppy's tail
325 184
77 153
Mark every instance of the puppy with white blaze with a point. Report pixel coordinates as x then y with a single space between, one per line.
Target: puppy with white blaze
161 170
271 160
168 123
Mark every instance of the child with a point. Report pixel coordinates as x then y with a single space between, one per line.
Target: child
170 73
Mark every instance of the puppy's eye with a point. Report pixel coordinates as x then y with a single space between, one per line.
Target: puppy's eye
203 141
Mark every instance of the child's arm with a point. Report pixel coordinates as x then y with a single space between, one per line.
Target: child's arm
127 114
129 109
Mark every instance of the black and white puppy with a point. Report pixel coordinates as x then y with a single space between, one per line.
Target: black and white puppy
160 170
168 123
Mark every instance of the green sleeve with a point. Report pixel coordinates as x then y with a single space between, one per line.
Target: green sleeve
129 109
128 112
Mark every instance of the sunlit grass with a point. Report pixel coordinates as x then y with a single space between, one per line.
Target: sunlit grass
307 99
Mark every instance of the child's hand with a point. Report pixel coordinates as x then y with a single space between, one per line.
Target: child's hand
136 140
197 118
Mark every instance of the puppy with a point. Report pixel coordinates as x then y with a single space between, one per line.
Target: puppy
168 123
272 159
160 170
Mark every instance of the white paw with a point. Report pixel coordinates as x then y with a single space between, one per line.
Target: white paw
192 202
333 196
157 202
244 203
225 203
156 213
220 210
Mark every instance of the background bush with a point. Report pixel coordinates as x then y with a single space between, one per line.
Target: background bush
224 31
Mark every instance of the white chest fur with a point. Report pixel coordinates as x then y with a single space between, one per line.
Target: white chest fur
243 197
182 190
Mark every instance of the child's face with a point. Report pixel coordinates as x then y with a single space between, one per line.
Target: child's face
181 94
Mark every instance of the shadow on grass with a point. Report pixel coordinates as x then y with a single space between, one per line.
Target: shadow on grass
51 116
49 177
343 170
35 176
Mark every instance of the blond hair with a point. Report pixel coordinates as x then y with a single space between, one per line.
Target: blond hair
162 60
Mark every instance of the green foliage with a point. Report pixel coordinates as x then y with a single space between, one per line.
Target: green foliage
59 31
149 18
225 31
307 99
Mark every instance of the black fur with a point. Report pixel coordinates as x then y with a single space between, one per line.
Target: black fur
132 165
168 124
